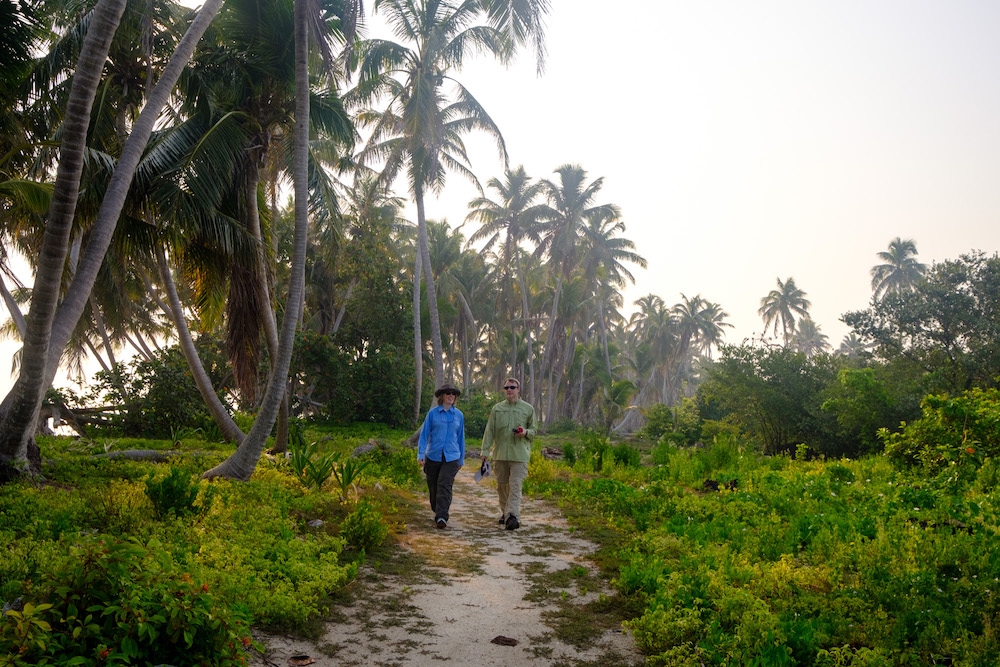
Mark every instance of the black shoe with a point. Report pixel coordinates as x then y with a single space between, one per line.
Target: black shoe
503 520
441 523
512 523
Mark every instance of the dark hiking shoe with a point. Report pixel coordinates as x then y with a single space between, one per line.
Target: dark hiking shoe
503 520
441 523
512 523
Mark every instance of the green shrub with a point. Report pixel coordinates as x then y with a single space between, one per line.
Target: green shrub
173 494
122 602
957 431
595 447
659 420
569 454
160 394
564 425
364 528
626 455
475 406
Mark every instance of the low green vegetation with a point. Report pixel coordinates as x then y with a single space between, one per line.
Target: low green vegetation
720 555
119 561
734 558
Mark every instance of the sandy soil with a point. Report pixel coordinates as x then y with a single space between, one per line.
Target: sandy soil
460 589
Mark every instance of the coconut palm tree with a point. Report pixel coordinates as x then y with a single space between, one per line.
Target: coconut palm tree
570 206
604 258
852 346
427 109
900 269
241 463
513 217
47 331
808 339
781 306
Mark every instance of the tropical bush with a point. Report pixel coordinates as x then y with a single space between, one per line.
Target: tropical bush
171 569
109 601
740 559
963 431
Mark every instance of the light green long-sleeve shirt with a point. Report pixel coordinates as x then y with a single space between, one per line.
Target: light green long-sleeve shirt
499 439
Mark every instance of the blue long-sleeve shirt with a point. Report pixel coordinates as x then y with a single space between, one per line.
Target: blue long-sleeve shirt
443 432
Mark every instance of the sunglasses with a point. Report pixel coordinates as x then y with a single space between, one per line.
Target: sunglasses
511 388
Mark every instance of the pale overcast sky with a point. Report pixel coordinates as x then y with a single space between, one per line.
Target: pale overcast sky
747 141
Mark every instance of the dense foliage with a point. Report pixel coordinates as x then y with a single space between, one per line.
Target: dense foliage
739 559
114 561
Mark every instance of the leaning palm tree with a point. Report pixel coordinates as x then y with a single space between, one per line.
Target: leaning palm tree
427 112
781 306
900 269
241 463
47 330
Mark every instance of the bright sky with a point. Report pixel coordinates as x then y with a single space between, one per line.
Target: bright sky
747 141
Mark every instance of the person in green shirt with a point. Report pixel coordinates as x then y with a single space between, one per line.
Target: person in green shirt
507 443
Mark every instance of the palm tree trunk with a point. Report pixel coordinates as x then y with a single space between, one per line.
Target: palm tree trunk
230 431
20 409
432 306
107 219
102 331
604 336
525 317
466 363
47 338
548 340
243 461
15 311
418 343
265 288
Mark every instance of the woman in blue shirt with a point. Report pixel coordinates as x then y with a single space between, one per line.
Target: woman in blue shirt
441 452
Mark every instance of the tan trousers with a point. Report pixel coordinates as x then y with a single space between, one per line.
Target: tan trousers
510 477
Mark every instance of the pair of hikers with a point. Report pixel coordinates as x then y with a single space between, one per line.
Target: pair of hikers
506 444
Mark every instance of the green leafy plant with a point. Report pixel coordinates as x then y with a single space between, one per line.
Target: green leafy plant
122 602
364 528
173 494
314 471
595 447
626 455
569 454
347 474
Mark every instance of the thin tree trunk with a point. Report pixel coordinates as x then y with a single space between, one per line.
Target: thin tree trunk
604 336
343 306
243 461
103 364
102 331
13 308
579 398
230 431
546 362
418 344
432 306
265 289
465 339
527 330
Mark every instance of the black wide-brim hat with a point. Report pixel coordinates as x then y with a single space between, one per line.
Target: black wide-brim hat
447 389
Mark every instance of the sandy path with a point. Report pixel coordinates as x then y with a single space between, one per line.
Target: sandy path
455 590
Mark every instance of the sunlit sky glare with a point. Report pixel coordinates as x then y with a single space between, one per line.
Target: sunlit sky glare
750 140
747 141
